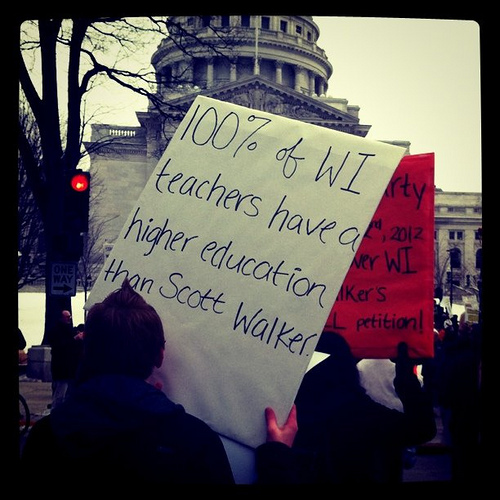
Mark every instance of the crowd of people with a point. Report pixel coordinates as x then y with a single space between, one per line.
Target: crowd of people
108 423
453 378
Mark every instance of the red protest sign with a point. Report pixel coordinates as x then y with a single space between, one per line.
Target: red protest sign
387 294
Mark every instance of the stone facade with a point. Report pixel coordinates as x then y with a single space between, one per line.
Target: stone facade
282 49
458 230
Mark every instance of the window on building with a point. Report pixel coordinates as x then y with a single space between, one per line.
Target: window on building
478 234
245 21
455 235
205 21
309 36
284 26
265 22
224 20
479 259
298 30
167 75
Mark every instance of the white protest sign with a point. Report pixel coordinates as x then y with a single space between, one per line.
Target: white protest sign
241 240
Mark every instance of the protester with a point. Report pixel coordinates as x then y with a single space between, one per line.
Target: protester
430 369
116 428
66 350
80 331
460 399
345 436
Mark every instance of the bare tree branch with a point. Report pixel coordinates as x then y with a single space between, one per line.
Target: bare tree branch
74 56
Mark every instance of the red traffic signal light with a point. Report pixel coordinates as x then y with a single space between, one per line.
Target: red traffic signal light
80 182
76 204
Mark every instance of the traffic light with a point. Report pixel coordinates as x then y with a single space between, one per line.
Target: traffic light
76 205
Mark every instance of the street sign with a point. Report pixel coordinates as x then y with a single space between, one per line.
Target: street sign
63 278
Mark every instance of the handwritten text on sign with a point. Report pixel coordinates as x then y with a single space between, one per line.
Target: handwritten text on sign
387 295
230 241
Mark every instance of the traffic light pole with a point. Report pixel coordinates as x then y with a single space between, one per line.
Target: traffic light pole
67 219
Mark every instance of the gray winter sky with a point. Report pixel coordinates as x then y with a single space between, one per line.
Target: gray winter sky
416 80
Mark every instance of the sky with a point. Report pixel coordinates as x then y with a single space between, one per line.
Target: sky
415 80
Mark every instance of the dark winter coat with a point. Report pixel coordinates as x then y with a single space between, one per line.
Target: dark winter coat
66 352
345 436
119 429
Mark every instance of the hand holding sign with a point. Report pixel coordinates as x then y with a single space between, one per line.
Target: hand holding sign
241 240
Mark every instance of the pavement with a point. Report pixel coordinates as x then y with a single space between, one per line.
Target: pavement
432 464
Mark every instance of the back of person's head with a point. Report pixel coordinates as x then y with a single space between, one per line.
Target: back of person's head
66 316
123 335
338 372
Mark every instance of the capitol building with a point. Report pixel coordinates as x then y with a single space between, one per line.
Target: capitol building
268 63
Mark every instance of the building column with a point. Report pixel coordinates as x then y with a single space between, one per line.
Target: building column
184 72
279 72
312 83
233 70
160 81
321 87
256 66
298 75
210 72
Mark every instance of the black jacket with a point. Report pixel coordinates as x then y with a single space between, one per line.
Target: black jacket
65 352
121 430
346 437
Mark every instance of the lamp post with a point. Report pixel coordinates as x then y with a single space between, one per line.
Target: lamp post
451 276
451 287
